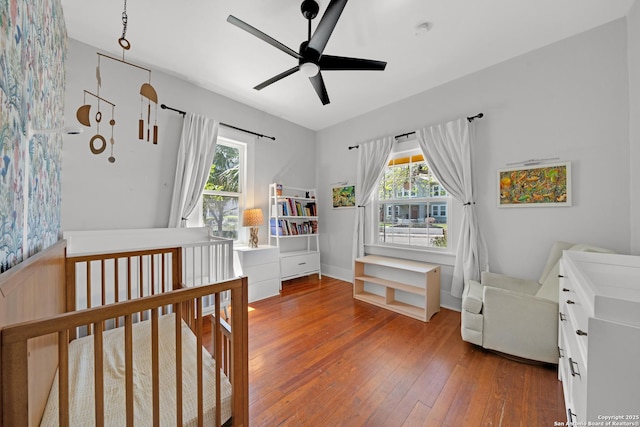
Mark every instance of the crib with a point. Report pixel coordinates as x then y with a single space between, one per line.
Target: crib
103 335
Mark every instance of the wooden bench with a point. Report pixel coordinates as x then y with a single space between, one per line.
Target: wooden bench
407 287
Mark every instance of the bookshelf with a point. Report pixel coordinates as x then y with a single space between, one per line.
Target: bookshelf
407 287
293 228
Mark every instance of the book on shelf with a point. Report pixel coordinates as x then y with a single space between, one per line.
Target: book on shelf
285 227
276 229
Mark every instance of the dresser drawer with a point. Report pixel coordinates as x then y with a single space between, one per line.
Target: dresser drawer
293 265
572 306
257 256
263 289
574 371
256 273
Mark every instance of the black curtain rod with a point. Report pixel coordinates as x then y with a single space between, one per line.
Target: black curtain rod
259 135
470 119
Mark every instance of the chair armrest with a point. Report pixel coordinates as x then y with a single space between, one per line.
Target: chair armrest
509 283
520 324
472 296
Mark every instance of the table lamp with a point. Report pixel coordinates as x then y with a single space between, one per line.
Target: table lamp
253 218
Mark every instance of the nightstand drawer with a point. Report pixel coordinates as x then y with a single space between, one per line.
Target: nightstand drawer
292 265
257 273
264 289
257 256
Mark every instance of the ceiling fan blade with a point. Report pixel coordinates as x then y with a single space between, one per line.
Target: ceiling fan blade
329 62
276 78
262 36
328 22
321 90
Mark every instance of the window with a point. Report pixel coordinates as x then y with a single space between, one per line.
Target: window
412 204
222 196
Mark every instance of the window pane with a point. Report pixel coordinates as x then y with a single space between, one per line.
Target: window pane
419 221
416 224
421 178
409 180
224 173
220 213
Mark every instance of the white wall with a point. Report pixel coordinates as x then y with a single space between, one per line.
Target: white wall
633 23
568 100
135 191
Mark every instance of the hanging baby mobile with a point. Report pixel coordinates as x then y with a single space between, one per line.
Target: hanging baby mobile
98 144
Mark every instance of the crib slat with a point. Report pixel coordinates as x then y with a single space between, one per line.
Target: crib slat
88 292
98 371
155 367
218 357
63 379
152 275
178 326
128 278
140 288
199 369
103 279
128 370
116 285
202 264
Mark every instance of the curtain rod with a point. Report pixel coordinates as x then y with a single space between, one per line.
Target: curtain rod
259 135
470 119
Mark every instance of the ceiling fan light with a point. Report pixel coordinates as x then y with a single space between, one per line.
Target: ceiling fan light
309 69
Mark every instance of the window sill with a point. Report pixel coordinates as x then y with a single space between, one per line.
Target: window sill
424 255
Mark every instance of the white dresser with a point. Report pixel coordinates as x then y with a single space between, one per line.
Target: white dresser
599 337
261 265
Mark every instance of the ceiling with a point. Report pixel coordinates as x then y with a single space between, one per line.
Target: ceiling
192 40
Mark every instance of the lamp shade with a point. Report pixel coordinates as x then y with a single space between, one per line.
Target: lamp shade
252 217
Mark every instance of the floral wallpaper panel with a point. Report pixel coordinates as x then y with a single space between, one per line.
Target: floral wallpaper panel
33 46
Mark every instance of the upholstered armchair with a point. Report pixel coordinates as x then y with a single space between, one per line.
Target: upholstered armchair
518 317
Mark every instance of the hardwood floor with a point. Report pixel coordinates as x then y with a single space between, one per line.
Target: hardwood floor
317 357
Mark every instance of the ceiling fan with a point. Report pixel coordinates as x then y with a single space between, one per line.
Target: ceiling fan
311 58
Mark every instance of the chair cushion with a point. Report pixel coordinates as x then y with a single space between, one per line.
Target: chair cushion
552 259
549 288
472 300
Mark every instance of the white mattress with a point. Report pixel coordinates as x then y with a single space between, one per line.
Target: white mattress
81 379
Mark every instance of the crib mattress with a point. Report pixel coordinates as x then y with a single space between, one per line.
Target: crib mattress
81 379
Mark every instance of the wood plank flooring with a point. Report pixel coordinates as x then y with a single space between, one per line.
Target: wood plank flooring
317 357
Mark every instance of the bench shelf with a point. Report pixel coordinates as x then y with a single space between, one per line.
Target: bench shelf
407 287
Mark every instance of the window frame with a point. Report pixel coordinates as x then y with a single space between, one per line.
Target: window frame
410 149
196 219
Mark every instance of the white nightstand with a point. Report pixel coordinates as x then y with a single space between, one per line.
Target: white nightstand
261 265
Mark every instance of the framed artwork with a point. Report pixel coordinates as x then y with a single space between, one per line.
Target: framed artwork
535 186
343 196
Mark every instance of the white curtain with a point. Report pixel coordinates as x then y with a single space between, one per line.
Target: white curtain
372 159
195 155
447 149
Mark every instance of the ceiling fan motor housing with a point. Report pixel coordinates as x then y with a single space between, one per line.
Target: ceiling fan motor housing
308 54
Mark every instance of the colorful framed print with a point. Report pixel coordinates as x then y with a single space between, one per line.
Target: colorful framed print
535 186
343 196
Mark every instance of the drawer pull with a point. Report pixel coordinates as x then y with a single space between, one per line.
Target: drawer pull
562 316
301 263
570 302
573 371
560 276
565 290
581 333
560 353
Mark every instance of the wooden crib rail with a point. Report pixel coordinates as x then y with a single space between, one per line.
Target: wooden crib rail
121 276
15 390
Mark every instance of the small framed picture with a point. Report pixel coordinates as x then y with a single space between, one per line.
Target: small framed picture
343 196
535 186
